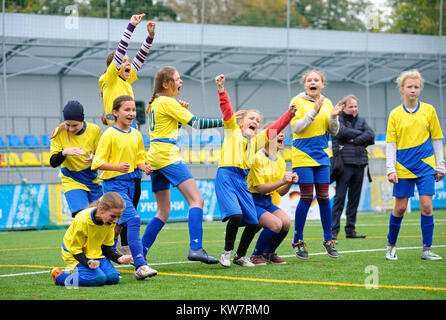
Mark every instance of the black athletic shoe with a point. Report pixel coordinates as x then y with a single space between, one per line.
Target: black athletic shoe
201 255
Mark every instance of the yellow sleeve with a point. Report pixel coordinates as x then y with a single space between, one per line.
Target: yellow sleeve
141 154
391 135
78 238
434 126
133 76
256 173
110 238
102 151
56 146
110 75
178 112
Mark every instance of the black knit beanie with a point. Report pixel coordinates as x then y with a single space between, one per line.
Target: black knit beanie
73 110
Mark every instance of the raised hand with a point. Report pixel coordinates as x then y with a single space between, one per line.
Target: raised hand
184 104
220 81
318 104
293 108
151 29
338 109
136 19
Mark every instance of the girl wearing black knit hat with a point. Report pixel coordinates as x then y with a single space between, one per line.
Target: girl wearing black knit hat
73 144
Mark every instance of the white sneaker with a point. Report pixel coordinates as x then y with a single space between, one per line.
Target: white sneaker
427 254
225 258
145 272
243 261
391 253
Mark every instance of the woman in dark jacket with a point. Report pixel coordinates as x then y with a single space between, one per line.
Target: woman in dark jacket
351 141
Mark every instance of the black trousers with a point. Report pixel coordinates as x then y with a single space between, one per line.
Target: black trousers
350 183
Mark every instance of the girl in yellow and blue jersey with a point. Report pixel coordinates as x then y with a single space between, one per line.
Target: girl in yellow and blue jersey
120 152
315 117
414 157
120 73
73 144
266 178
165 114
240 144
87 247
117 81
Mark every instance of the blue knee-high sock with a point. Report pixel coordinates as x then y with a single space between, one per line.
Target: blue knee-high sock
135 244
276 241
153 228
265 237
195 222
325 210
300 217
427 229
394 229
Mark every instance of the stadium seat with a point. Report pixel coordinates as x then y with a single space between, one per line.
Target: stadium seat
2 143
45 158
14 141
30 159
46 140
30 140
381 137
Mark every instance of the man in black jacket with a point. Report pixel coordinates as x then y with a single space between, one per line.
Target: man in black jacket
351 141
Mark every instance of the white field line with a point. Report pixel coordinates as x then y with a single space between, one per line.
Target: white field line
185 262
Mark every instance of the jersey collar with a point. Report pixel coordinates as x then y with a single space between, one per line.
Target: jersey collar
408 111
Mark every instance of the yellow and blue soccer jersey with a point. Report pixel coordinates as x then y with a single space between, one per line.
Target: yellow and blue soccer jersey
86 235
238 151
165 114
112 86
75 173
117 146
265 170
413 133
310 146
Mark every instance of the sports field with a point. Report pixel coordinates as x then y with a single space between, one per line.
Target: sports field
360 273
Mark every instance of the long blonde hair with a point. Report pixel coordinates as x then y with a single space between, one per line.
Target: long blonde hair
109 200
163 75
409 74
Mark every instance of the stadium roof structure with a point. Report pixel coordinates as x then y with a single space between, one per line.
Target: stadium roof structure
55 45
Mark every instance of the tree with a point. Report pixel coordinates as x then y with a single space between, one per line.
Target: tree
316 14
416 16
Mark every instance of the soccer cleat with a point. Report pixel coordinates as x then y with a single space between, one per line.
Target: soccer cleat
201 255
300 249
258 260
145 272
427 254
225 258
391 253
273 258
243 261
55 272
329 247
